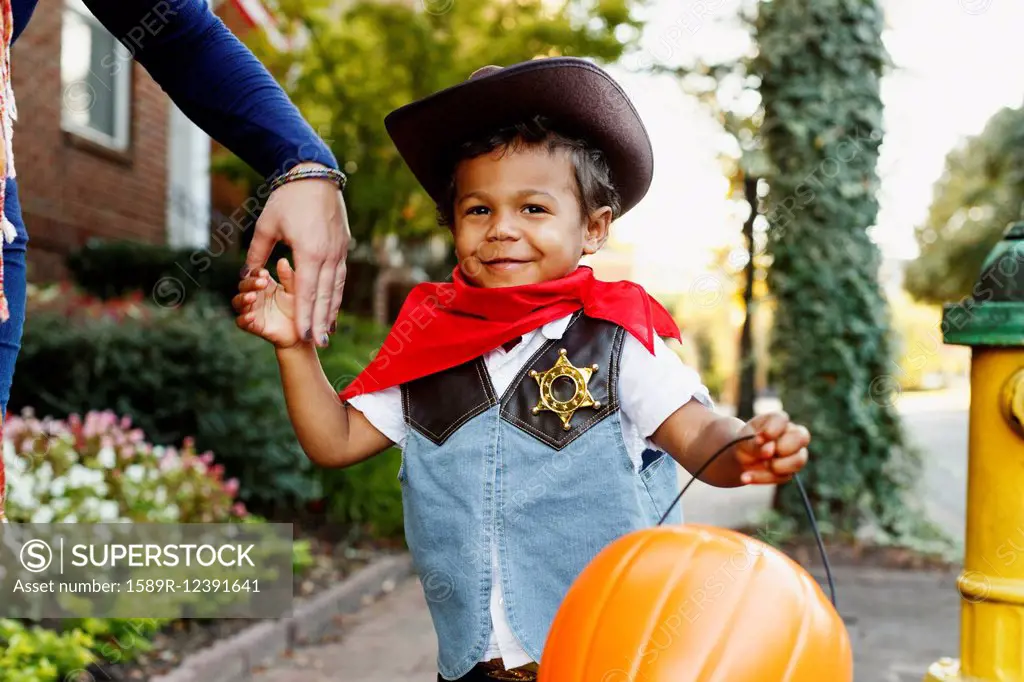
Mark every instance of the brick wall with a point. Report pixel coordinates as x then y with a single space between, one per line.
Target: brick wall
71 189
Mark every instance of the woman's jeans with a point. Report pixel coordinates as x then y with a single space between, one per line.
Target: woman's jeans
14 288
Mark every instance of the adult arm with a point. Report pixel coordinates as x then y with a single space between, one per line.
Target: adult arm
215 80
221 86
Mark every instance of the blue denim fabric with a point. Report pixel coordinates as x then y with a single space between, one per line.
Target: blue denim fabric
551 512
14 288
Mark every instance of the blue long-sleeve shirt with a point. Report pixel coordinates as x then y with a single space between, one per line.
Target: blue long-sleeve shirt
211 76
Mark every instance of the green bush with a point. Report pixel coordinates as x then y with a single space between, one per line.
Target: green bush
115 640
177 373
36 654
189 373
353 345
33 653
171 276
367 494
175 276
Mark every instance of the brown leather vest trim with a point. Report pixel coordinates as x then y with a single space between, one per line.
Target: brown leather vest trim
587 341
437 405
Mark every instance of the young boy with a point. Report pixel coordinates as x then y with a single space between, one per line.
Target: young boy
525 393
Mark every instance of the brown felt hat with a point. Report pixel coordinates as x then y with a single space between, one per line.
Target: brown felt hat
579 98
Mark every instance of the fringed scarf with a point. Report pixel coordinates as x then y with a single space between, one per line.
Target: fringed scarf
8 114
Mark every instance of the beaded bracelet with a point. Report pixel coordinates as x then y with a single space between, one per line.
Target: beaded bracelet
335 176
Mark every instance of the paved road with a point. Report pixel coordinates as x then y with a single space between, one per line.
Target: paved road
938 423
392 640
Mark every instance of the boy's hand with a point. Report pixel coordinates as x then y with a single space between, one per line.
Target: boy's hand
266 308
776 453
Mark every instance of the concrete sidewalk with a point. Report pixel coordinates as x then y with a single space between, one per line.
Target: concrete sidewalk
899 623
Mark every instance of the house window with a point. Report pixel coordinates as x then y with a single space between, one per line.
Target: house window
188 182
95 79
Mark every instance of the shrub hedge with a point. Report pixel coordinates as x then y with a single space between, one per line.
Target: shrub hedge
177 374
171 276
190 374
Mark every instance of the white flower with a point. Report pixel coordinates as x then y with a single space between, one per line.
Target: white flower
70 518
78 476
62 504
89 479
107 457
170 464
90 506
15 462
9 453
22 496
45 473
108 511
135 473
18 474
21 489
58 486
160 496
43 514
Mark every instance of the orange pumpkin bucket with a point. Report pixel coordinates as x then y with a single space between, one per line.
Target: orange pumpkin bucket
695 603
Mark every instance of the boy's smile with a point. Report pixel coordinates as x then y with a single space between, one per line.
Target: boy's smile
518 218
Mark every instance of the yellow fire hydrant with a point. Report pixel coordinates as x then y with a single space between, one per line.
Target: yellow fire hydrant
991 585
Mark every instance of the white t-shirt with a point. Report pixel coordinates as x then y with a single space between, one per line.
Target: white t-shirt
651 388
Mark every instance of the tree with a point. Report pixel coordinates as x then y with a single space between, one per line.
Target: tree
820 65
981 190
353 63
728 90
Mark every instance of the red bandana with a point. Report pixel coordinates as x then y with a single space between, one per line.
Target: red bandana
445 325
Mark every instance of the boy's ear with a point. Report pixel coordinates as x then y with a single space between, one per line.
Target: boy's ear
598 225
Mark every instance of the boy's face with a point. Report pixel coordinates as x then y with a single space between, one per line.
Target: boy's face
518 219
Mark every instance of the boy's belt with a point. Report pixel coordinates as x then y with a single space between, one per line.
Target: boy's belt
495 669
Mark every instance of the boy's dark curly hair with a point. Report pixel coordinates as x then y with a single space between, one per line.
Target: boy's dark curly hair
594 187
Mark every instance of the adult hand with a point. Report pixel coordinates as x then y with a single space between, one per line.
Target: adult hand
309 215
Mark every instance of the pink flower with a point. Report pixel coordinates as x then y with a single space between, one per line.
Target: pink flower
239 510
231 487
206 458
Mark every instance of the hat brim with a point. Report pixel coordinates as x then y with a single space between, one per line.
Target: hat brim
579 98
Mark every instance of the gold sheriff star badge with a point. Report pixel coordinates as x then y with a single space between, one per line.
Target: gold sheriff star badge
581 397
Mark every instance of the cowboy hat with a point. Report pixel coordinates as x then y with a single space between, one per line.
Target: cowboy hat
579 98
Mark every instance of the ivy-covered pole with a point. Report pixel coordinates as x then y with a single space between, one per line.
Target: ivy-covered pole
820 65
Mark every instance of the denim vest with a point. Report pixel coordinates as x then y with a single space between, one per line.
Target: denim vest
477 466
